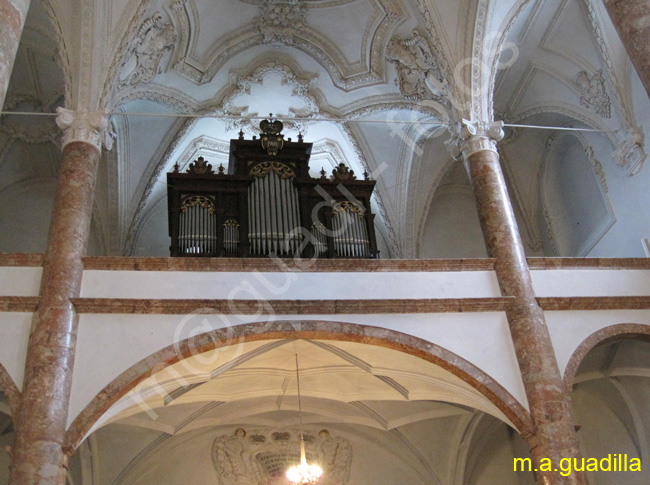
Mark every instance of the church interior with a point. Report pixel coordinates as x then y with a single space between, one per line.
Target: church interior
414 368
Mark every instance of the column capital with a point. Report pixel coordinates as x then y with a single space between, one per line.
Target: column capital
91 127
478 136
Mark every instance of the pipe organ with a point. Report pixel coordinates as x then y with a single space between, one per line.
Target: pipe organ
268 204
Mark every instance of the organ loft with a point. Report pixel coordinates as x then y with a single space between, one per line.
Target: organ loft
267 203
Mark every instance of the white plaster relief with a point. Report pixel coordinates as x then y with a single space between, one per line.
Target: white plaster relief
301 89
145 52
480 109
119 55
598 167
593 94
282 23
630 153
419 76
434 38
253 456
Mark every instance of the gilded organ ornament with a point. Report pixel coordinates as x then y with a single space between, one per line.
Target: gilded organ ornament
271 138
264 168
200 167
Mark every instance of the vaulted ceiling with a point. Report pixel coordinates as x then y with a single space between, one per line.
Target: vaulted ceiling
377 84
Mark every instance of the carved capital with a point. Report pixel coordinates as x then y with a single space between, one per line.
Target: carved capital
89 127
477 136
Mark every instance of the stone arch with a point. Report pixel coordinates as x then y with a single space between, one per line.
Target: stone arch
607 378
620 331
323 330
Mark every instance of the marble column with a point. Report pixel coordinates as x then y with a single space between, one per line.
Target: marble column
554 435
12 21
38 456
631 18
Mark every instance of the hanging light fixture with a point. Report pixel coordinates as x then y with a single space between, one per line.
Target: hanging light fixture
302 474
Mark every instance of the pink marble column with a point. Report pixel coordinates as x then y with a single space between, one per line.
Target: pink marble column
632 21
38 456
12 20
554 435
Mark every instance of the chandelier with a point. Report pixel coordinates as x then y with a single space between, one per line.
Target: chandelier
302 474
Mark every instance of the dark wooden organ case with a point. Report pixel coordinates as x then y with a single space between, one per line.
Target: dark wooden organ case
268 204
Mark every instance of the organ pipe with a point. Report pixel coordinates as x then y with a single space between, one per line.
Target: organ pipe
350 231
197 225
273 209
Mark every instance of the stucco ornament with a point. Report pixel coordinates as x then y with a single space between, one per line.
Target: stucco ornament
261 457
418 74
593 94
281 21
630 153
153 40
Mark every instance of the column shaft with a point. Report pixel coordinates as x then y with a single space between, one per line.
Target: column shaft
12 21
549 406
38 455
631 18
